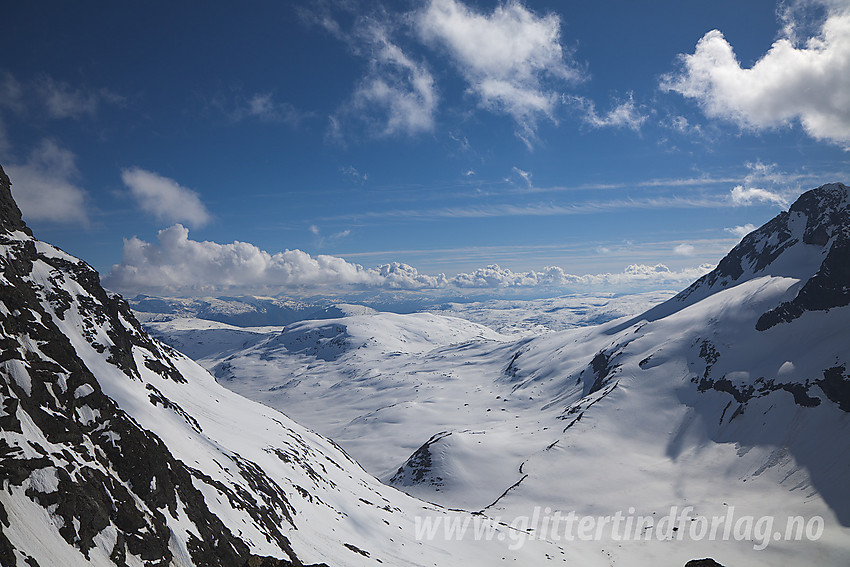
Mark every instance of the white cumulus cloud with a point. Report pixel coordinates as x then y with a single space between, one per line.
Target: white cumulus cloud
164 198
508 57
684 249
177 263
764 183
44 189
807 82
397 275
494 276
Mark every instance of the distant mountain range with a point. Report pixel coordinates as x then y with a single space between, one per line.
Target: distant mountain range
244 311
504 315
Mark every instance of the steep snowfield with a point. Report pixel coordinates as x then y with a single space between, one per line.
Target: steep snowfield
662 442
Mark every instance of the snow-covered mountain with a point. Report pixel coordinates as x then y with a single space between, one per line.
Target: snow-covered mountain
118 450
732 396
513 316
243 311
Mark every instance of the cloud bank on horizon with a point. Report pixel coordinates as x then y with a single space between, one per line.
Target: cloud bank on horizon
179 265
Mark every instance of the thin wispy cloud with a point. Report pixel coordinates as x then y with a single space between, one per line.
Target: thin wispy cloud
164 198
682 125
264 107
5 143
63 100
11 92
796 80
542 209
511 253
524 175
354 174
321 239
54 98
624 114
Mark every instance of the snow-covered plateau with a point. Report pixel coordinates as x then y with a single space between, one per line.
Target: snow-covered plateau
713 423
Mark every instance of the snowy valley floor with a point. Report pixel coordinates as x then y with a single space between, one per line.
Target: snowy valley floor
487 407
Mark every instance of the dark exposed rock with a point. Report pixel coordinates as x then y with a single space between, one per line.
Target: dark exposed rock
10 214
741 395
708 352
836 385
762 387
511 369
602 369
703 563
418 467
356 549
828 288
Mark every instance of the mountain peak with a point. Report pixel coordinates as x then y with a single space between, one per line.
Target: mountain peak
10 214
824 207
819 217
809 242
827 212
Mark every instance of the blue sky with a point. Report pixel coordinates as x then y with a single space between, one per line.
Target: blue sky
296 147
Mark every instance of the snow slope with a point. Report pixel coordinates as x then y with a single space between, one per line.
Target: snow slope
731 397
